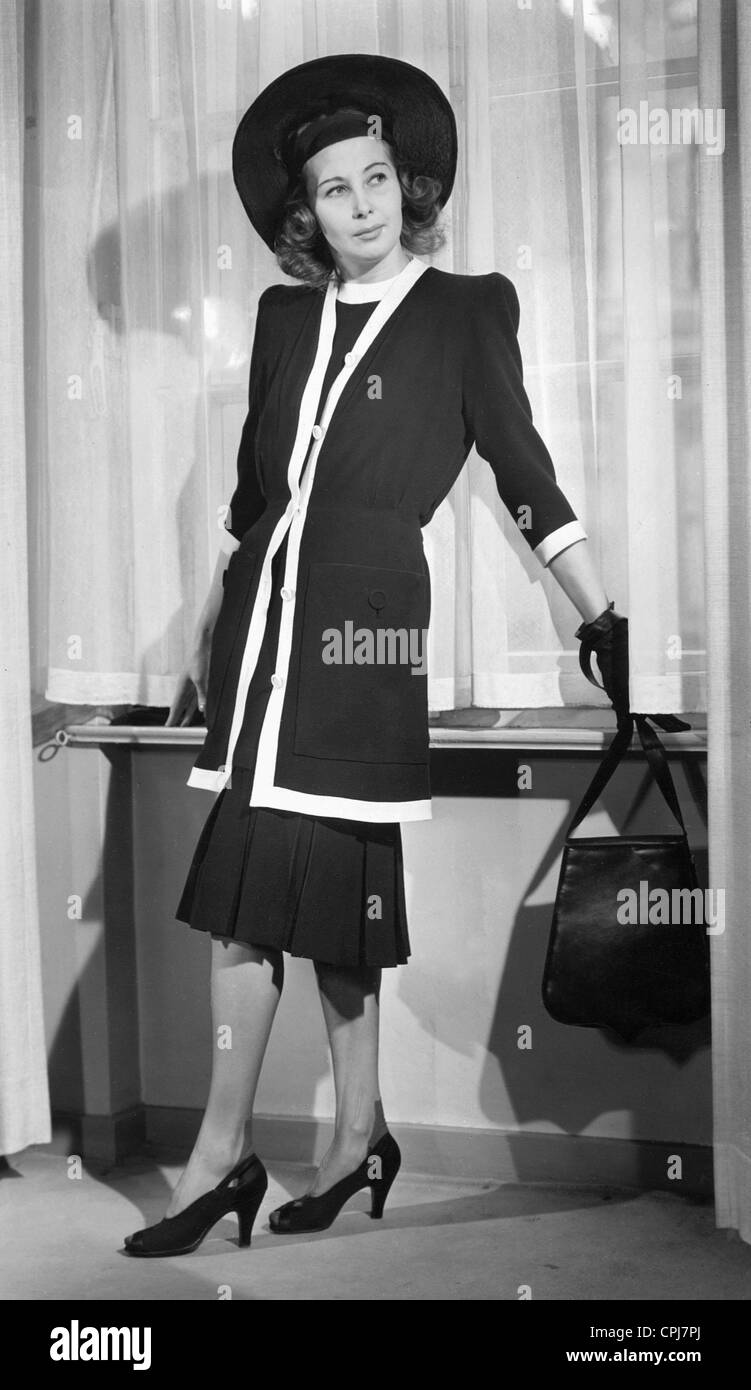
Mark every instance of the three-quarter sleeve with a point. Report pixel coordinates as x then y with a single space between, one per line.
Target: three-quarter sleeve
248 501
498 417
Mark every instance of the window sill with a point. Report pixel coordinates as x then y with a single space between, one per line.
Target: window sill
569 729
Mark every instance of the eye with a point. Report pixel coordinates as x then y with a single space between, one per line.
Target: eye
335 188
380 176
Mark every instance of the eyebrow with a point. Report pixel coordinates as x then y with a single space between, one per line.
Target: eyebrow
339 178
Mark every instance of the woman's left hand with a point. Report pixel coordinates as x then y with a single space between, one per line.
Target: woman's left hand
607 637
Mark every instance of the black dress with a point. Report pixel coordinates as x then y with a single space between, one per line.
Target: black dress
328 889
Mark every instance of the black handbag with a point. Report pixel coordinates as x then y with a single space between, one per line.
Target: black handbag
614 960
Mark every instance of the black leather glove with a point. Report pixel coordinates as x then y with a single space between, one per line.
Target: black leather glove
607 636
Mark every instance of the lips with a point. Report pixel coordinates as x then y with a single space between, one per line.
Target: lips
369 231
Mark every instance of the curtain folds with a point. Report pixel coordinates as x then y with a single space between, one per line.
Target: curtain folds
150 276
24 1098
725 84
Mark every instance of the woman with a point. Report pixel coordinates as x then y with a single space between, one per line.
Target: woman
369 383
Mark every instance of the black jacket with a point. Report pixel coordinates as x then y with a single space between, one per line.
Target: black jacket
436 369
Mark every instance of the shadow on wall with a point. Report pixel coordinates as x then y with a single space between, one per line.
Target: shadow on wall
175 383
571 1076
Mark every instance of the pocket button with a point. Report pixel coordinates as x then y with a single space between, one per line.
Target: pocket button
376 598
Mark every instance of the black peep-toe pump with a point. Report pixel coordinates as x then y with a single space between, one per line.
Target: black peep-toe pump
241 1191
377 1172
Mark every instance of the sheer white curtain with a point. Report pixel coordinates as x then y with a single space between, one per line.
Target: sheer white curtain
726 301
24 1099
600 240
148 277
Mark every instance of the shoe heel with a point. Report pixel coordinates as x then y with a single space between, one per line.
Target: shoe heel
379 1193
246 1215
381 1187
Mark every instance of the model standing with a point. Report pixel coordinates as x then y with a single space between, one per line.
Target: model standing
370 381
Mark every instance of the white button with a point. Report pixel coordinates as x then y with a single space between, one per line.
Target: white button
297 509
277 681
287 593
223 768
317 432
349 358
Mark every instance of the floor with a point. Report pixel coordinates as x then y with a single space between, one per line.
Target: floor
438 1240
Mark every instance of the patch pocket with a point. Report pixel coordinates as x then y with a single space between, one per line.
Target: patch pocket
362 680
238 580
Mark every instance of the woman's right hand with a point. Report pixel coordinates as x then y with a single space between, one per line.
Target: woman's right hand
190 692
193 682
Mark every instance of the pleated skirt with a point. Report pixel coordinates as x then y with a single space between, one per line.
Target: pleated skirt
328 889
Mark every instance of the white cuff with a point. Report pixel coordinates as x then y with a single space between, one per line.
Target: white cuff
208 779
558 540
227 542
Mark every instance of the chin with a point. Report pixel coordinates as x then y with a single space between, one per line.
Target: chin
375 250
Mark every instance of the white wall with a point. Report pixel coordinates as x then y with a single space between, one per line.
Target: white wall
479 914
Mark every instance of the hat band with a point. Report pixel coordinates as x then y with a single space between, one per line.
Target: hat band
329 129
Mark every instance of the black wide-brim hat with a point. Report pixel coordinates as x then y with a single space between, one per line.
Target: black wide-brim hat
410 103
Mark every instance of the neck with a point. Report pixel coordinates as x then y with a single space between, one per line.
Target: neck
385 269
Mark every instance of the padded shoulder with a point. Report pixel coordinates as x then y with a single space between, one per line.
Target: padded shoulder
481 297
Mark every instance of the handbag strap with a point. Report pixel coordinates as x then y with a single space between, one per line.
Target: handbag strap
658 763
655 752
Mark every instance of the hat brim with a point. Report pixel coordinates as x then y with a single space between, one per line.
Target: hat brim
419 114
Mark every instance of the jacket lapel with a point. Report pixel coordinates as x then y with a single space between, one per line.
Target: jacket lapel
301 381
344 383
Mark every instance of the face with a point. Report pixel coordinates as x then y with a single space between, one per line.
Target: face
355 194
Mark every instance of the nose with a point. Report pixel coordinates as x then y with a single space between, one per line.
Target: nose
361 203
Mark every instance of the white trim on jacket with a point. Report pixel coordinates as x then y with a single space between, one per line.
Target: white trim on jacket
265 792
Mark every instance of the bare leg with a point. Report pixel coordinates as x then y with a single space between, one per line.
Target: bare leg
246 984
349 999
